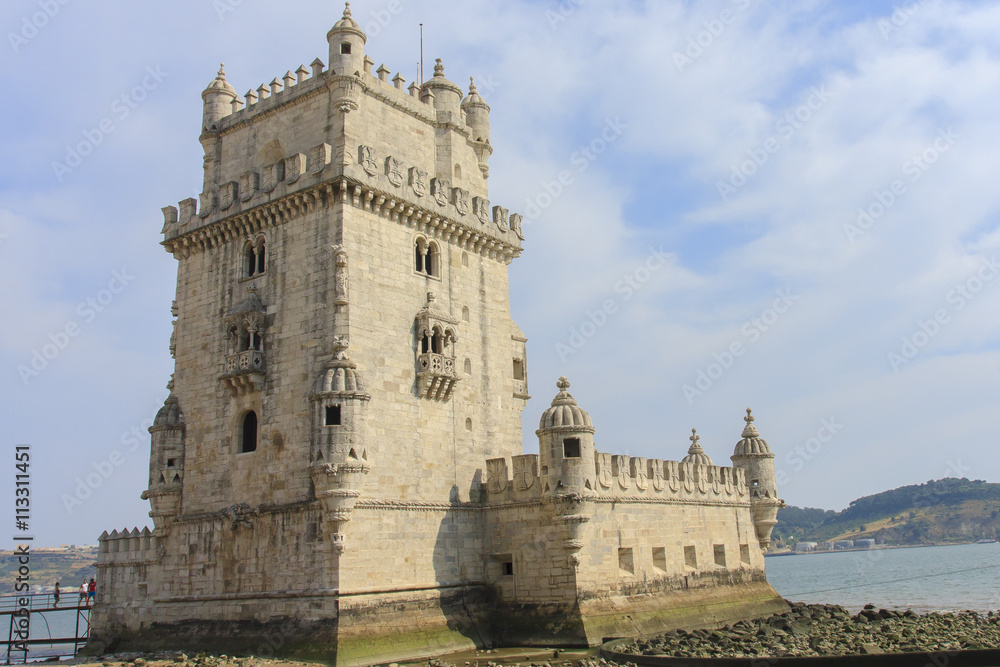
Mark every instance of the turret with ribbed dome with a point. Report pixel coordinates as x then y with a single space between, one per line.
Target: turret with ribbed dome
166 460
347 45
218 100
566 445
753 455
339 409
696 455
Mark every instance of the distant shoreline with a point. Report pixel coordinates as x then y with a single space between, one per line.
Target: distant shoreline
880 547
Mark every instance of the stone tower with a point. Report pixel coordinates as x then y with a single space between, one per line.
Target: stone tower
330 473
753 455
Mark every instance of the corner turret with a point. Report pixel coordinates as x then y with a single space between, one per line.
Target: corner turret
339 459
166 462
753 455
566 446
477 114
347 45
447 96
218 100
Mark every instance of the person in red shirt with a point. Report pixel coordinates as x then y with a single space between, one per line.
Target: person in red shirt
92 591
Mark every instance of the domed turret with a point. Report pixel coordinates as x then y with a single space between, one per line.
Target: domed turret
754 457
166 461
218 100
447 95
340 411
566 445
347 45
696 455
477 114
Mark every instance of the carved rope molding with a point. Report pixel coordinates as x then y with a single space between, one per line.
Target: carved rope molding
341 189
626 500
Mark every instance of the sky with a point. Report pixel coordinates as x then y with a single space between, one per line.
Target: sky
790 206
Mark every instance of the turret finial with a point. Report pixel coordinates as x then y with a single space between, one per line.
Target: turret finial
694 439
222 71
563 384
347 10
438 67
750 431
472 86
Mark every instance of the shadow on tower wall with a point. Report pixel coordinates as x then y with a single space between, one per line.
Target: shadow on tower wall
466 598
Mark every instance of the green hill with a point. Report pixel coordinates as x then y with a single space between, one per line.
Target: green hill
944 511
70 567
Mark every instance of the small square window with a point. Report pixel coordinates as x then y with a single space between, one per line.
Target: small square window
345 49
571 448
625 561
660 558
332 415
171 463
720 555
508 569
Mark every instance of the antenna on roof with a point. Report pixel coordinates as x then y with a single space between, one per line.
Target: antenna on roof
421 54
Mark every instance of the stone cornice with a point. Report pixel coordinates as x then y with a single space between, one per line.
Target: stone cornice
343 190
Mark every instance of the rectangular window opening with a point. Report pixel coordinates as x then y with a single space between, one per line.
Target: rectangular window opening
660 558
171 463
720 554
518 369
508 568
625 561
345 49
571 448
745 554
690 558
332 415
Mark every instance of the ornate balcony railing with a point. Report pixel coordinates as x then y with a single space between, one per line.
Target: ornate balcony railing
436 376
248 361
244 371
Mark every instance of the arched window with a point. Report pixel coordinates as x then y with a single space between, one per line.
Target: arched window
248 433
458 171
433 264
255 258
437 341
427 258
465 313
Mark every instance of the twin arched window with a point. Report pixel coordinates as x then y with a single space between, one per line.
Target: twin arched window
255 258
245 338
428 257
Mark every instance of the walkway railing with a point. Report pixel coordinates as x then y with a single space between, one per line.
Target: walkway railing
27 614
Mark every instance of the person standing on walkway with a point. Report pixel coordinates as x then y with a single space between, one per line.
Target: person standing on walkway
83 592
55 595
92 591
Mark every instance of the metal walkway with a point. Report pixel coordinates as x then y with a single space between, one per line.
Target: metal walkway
23 640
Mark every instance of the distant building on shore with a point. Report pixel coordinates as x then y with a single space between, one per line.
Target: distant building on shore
803 547
843 544
338 471
864 543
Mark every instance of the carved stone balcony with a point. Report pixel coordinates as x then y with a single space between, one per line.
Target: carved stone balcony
436 376
244 372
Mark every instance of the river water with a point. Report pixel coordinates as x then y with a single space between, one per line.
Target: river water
923 579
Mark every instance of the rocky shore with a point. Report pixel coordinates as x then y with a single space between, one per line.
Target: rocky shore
824 630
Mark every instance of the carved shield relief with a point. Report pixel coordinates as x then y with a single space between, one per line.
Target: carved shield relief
496 475
604 476
525 471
